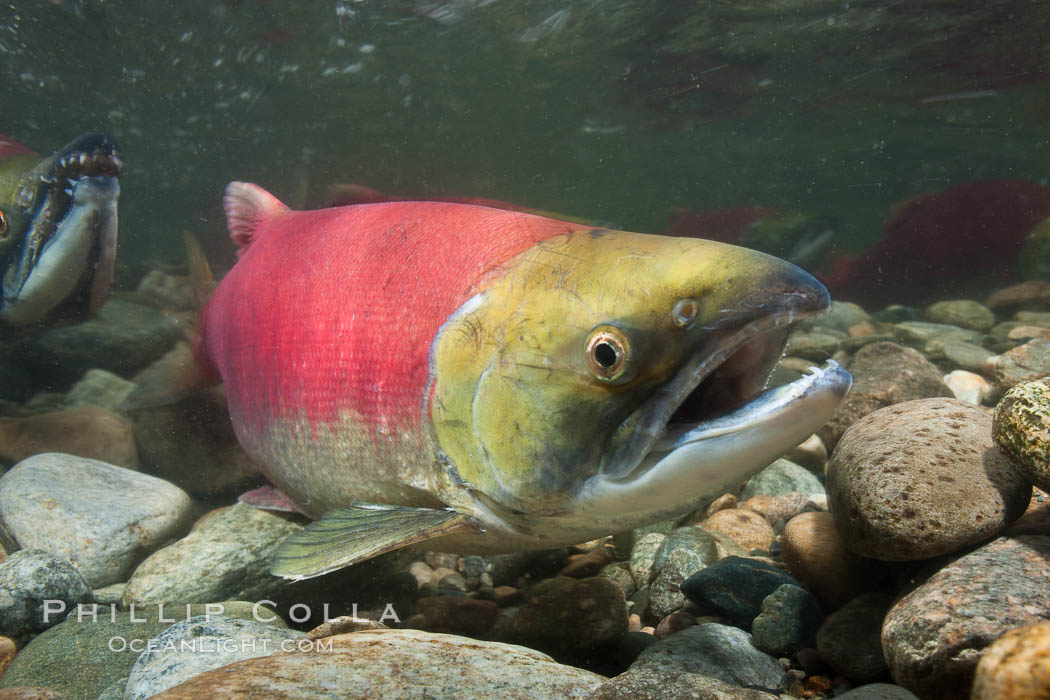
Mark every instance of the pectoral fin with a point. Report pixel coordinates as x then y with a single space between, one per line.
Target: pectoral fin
348 535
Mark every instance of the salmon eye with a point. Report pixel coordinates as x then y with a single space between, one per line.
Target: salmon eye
607 353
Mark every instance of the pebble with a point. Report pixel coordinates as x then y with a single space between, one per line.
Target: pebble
402 663
921 479
726 501
714 650
780 509
842 316
103 518
643 557
1021 364
344 624
85 431
191 444
123 339
933 636
454 615
1033 294
815 555
735 587
883 374
570 619
226 556
1016 666
746 528
1022 430
675 622
99 388
191 647
29 578
788 621
421 571
781 477
849 641
964 313
684 552
969 387
81 659
652 684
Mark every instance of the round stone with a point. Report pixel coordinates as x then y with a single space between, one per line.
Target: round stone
1022 430
1016 666
921 479
747 528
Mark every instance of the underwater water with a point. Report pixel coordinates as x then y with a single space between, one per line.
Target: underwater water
896 150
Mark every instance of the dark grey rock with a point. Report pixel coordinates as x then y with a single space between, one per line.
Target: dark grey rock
789 621
735 587
849 640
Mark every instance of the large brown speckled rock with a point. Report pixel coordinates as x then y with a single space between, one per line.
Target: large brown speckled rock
934 636
922 479
883 374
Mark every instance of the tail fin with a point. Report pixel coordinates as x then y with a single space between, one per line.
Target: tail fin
247 206
183 371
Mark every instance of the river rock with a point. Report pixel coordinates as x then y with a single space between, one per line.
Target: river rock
878 691
643 556
917 334
849 641
226 556
100 388
780 477
717 651
395 664
1016 666
1022 429
921 479
1032 294
103 518
199 644
964 313
469 617
933 637
620 574
883 374
735 587
657 684
815 555
842 316
815 345
685 551
85 431
1021 364
123 338
746 528
37 589
958 354
969 387
811 454
788 621
81 658
573 619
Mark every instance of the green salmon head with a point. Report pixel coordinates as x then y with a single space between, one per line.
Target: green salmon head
605 379
58 231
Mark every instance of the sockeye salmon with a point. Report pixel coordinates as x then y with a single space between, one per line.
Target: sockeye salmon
58 231
489 380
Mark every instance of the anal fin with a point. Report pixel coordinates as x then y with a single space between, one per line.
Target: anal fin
361 531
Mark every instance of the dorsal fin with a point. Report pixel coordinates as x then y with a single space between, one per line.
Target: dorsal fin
248 205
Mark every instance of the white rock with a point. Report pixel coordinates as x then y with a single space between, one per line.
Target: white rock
969 387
